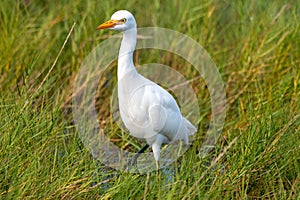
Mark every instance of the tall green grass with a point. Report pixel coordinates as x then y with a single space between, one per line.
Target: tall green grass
255 44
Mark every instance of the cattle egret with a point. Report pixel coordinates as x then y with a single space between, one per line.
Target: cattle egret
147 110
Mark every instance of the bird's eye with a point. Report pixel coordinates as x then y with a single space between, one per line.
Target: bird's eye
123 20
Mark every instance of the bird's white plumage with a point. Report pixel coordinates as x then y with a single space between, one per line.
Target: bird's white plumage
147 110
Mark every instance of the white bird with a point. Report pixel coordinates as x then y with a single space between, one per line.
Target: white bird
147 110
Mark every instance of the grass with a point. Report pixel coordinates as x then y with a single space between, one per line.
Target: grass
255 45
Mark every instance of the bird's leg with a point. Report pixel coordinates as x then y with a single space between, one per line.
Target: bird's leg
157 164
133 161
140 152
156 152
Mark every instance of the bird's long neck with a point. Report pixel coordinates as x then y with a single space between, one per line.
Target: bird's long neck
125 60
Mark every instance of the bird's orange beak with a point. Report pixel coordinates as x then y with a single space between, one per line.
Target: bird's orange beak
108 24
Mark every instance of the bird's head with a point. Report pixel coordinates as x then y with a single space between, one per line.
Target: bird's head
121 20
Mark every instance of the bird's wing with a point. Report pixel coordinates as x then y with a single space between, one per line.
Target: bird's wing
147 109
164 114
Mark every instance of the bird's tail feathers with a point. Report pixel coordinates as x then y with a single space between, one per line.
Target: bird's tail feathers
186 129
191 128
